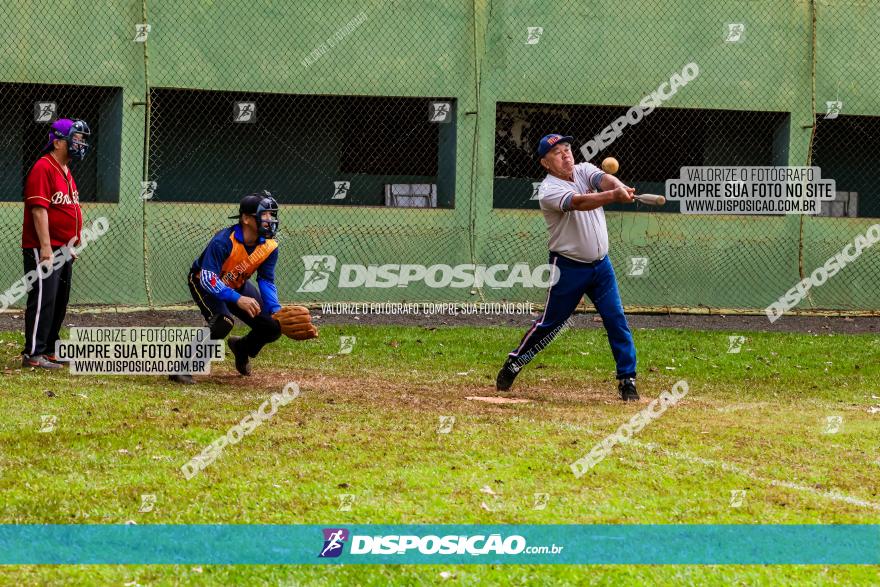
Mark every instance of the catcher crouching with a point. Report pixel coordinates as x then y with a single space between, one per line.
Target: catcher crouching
219 282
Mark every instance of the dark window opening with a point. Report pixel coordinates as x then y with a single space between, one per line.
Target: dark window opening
847 149
649 152
26 113
344 150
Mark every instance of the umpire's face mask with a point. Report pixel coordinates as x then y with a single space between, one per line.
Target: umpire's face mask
77 146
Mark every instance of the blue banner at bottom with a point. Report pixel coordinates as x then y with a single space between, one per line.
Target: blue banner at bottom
440 544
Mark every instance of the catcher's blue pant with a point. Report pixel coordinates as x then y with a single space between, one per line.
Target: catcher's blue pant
264 328
597 281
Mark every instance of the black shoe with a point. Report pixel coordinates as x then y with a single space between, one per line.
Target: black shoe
39 362
184 379
242 361
507 374
627 389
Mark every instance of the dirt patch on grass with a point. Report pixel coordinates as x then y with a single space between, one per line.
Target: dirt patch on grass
415 397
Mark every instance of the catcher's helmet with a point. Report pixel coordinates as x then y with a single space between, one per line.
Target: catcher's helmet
64 129
255 205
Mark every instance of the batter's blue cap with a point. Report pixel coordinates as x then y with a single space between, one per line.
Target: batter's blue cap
551 141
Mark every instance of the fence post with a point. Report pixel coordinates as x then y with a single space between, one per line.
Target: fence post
146 162
482 165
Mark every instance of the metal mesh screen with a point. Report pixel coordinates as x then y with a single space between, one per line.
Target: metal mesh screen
405 134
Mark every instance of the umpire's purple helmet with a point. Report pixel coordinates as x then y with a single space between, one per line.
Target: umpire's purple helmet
64 129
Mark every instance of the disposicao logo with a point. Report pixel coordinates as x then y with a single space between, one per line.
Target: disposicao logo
443 545
318 270
334 540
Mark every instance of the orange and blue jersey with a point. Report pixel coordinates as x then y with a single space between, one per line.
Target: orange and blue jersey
227 263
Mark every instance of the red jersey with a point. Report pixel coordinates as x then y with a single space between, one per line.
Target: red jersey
48 187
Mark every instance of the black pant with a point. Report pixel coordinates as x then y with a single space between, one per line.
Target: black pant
264 328
46 305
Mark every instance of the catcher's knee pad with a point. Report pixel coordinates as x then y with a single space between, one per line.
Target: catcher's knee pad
220 325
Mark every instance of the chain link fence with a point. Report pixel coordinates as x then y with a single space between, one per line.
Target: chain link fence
404 133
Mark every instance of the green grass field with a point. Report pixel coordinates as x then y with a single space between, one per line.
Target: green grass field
367 422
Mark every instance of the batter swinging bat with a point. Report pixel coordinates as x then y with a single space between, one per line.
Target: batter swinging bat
650 199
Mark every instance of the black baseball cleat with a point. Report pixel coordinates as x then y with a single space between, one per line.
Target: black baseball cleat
242 361
627 389
506 375
184 379
39 362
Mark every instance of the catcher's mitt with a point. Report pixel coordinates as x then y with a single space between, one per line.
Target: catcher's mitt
296 322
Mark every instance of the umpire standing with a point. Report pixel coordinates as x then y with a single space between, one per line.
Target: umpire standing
571 198
52 219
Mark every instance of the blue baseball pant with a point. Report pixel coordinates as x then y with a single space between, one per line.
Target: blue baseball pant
597 281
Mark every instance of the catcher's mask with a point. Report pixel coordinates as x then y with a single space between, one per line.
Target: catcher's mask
64 129
255 205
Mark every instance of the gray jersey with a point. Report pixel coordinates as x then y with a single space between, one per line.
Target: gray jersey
576 234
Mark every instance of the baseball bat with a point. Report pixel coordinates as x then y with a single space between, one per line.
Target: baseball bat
650 199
